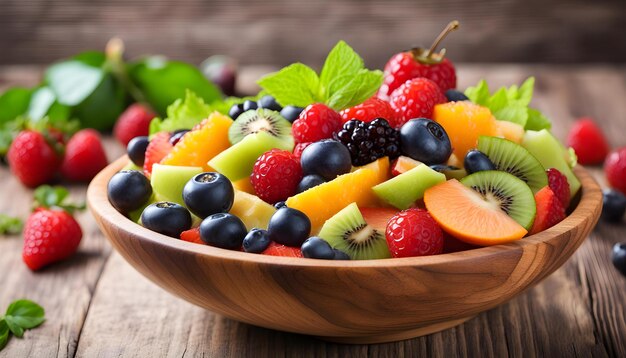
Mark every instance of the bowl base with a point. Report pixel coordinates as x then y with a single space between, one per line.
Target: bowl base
398 336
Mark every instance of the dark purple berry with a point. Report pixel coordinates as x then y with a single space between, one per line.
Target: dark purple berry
166 218
136 150
425 141
367 142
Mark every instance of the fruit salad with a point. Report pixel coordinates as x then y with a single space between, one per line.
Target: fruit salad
351 164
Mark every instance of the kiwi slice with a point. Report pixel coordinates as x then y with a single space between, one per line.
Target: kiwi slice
505 191
514 159
347 231
257 120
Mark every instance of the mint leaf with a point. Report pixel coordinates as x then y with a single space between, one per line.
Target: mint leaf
14 103
4 334
10 225
296 84
47 196
24 313
15 328
537 121
73 81
341 61
479 94
360 87
182 114
525 92
512 113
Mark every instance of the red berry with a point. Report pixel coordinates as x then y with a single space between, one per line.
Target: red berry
158 148
615 169
588 142
414 232
299 148
33 161
559 185
316 122
275 175
192 235
84 156
49 236
134 122
369 110
281 250
550 211
416 99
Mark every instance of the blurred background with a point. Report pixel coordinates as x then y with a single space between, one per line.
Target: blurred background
278 32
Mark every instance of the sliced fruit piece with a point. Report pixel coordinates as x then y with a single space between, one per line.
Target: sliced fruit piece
131 166
205 141
323 201
464 214
348 232
253 211
513 158
192 235
506 192
135 215
168 181
509 130
403 164
551 154
237 161
378 218
282 250
405 189
244 184
258 120
454 161
464 122
451 172
158 148
550 211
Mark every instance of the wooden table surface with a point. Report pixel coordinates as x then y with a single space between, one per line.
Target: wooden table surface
98 306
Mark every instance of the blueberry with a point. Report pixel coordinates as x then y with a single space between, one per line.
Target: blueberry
235 111
291 113
309 181
128 190
248 105
425 141
289 227
177 136
327 158
223 230
614 205
455 96
477 161
166 218
136 150
280 204
256 241
619 257
317 248
340 255
208 193
269 102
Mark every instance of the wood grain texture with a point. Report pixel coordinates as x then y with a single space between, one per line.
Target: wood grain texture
579 310
279 32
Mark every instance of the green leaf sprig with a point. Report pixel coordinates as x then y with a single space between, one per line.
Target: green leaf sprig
20 316
47 196
343 82
10 225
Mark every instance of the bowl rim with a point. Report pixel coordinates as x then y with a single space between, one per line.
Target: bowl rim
100 206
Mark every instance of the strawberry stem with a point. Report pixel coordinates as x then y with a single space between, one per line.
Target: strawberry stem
452 25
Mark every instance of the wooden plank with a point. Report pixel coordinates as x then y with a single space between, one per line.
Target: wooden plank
279 32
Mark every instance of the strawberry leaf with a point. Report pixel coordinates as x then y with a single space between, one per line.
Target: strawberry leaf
25 314
47 196
4 334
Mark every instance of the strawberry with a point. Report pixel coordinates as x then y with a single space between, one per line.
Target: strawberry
369 110
420 62
559 185
316 122
414 232
615 169
192 235
32 159
281 250
133 122
158 148
550 211
84 156
588 142
416 98
275 175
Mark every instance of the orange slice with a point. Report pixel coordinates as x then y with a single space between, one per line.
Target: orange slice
464 122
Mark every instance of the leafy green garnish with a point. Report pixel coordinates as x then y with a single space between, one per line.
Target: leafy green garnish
20 316
10 225
47 196
510 104
343 82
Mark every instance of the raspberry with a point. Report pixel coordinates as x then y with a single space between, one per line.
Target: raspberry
588 142
615 169
399 69
275 175
415 99
315 123
299 148
550 211
369 110
367 142
559 185
414 232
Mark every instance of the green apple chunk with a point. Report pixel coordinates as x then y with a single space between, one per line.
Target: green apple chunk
408 187
551 154
237 161
168 181
131 166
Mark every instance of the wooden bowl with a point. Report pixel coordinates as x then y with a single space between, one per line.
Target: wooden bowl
346 301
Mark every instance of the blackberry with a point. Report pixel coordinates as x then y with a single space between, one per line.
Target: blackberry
367 142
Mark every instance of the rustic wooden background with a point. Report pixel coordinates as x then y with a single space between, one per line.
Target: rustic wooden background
279 32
